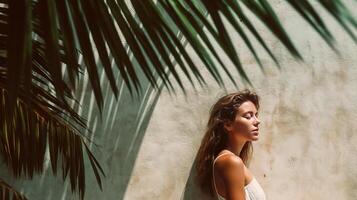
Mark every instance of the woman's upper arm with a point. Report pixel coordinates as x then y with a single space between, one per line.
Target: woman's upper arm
233 176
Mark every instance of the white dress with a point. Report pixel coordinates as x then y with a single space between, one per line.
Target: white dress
253 191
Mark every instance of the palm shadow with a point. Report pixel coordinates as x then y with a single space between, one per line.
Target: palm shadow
115 136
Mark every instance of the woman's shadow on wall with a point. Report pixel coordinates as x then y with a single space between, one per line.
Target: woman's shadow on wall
192 191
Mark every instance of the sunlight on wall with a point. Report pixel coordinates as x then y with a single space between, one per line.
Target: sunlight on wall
306 148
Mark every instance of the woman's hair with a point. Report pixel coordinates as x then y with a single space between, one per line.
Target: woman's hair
215 138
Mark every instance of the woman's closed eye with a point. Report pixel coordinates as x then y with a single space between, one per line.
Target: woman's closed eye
250 115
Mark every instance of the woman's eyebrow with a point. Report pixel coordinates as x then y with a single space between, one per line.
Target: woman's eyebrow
249 112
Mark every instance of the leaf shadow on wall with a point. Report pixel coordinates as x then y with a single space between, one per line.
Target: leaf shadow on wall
116 137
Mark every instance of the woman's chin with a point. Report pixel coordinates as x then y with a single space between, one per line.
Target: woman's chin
255 138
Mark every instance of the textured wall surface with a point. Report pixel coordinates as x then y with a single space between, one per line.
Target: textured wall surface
307 145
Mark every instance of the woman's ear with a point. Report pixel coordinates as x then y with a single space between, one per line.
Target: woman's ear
228 126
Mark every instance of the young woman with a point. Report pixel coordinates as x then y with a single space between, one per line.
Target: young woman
226 148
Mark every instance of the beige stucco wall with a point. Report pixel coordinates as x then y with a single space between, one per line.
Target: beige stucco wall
307 146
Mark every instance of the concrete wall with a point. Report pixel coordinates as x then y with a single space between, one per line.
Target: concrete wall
307 143
307 146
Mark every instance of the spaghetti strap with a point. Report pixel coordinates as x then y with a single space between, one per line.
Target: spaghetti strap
214 181
253 190
222 155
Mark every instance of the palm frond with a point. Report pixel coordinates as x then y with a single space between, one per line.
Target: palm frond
342 15
144 30
23 140
9 193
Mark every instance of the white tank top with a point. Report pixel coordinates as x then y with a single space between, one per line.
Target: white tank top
253 191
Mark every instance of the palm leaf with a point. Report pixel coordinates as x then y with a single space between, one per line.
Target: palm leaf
154 41
7 192
341 14
23 139
18 46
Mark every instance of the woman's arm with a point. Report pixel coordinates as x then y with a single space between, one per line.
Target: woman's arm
232 171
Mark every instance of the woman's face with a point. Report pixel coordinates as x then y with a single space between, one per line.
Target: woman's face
245 125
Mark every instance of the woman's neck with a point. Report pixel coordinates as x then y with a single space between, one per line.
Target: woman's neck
235 146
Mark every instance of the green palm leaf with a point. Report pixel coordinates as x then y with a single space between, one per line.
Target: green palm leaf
25 137
7 192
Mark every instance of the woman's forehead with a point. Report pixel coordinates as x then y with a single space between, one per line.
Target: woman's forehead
247 106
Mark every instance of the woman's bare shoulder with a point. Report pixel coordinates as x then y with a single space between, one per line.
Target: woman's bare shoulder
231 169
229 160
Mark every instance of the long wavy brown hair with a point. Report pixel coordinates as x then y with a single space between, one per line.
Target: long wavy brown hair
215 138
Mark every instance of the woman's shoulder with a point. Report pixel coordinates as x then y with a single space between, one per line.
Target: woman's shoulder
226 159
230 168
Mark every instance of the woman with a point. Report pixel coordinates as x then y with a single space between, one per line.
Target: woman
226 148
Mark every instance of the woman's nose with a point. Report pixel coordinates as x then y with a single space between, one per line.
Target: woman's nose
257 121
